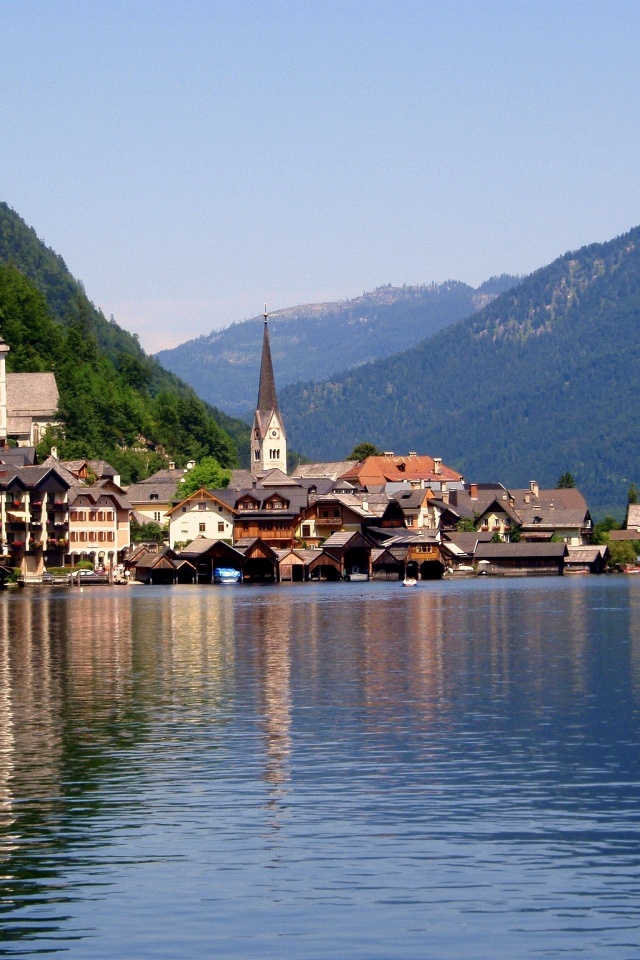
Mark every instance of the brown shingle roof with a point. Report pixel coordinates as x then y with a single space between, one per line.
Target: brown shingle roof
377 471
31 395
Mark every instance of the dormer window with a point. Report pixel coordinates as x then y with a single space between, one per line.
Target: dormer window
154 496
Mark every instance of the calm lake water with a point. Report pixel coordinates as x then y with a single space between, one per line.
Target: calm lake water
322 771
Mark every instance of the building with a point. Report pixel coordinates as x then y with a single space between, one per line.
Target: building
99 525
374 473
268 436
28 404
34 518
155 497
203 514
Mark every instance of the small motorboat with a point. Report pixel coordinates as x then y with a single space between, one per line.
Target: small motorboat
226 575
409 582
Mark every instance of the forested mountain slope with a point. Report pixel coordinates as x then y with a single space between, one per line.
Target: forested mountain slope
319 340
117 402
544 379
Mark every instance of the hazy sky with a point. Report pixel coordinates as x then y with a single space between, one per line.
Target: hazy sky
189 160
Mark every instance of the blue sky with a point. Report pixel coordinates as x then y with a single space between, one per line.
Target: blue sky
190 160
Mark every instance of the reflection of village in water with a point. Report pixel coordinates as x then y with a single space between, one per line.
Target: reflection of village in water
91 684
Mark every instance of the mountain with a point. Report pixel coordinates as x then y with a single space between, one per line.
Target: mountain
319 340
117 402
544 379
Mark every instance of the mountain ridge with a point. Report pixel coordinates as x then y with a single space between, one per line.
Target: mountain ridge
542 380
319 340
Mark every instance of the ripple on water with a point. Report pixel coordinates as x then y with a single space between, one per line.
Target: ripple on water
321 772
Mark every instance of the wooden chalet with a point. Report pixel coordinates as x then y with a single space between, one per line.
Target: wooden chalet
261 564
586 559
205 555
342 555
293 565
388 563
521 559
271 515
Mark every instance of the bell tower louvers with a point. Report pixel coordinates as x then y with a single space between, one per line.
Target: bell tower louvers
268 437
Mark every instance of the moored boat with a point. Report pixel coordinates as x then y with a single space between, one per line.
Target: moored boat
226 575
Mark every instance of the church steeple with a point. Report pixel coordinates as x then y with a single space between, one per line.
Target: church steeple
268 437
267 399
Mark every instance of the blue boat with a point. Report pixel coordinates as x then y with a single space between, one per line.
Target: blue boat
227 575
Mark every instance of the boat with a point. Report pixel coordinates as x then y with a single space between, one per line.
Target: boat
357 577
409 582
227 575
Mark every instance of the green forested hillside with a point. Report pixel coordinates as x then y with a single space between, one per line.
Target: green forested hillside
544 379
318 340
117 402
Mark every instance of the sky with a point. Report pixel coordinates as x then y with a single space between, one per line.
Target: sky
191 160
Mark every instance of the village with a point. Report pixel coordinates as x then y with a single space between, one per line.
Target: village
405 517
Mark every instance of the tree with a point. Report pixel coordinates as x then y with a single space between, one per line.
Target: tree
364 450
602 528
566 481
466 525
208 473
632 494
143 532
623 552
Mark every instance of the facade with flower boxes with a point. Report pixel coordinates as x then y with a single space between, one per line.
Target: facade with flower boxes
99 527
34 518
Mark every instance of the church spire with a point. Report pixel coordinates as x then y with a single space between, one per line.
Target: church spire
268 437
267 398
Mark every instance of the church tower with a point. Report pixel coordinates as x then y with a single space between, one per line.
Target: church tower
268 437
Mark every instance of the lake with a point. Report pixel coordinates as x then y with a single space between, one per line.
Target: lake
322 771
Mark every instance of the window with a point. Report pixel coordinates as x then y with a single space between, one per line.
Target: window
410 521
256 454
202 527
157 516
110 535
184 509
221 526
154 496
306 529
83 536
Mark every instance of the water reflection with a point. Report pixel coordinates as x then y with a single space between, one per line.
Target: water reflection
483 730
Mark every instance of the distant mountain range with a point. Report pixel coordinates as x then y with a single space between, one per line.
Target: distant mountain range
544 379
319 340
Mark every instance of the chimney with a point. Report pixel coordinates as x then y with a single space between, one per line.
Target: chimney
437 465
473 491
527 497
533 486
172 464
191 464
365 505
388 453
54 453
412 453
444 495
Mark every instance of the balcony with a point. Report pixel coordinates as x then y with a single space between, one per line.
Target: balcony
329 522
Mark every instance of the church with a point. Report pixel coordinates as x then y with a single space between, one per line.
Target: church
268 436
